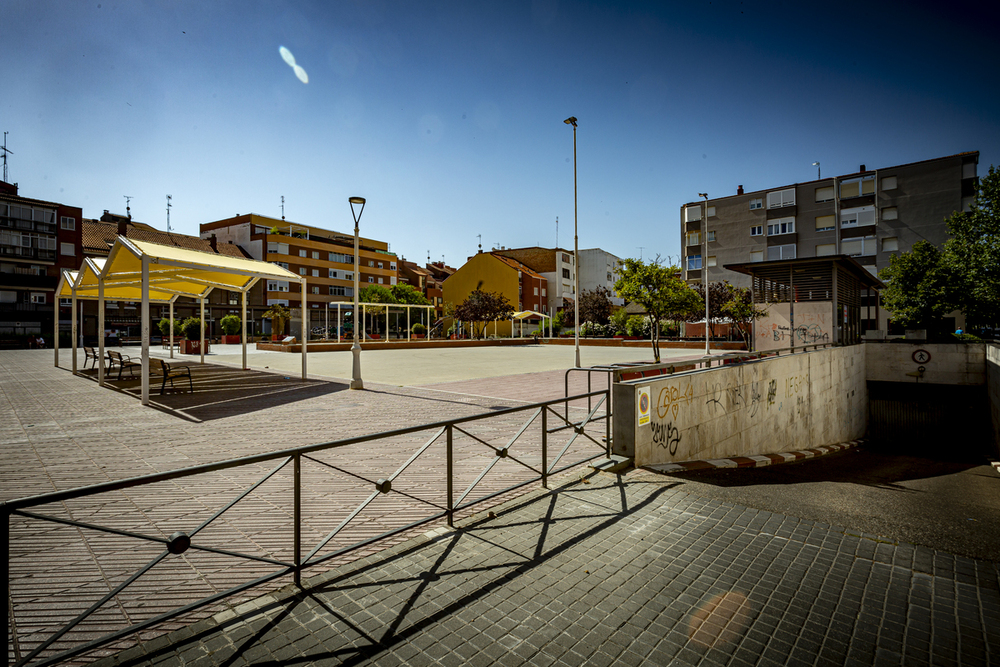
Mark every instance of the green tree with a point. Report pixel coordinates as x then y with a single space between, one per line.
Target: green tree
231 324
191 328
972 255
618 320
164 326
921 287
739 307
595 305
717 296
279 316
376 294
659 289
408 294
481 307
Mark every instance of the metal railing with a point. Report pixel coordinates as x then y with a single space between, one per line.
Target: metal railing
38 517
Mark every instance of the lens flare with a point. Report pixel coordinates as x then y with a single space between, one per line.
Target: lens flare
287 56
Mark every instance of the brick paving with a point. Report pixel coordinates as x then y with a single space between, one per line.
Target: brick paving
59 431
620 570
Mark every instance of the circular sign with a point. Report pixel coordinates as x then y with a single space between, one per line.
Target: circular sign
921 356
643 403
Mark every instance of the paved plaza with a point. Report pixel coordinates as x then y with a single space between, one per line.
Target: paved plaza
601 569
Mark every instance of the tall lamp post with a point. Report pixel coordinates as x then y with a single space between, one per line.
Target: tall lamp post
356 382
704 263
819 174
576 251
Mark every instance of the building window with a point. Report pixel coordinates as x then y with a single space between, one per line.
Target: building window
302 270
781 252
711 261
610 278
279 248
315 290
331 273
693 262
857 217
543 291
967 204
692 213
340 258
338 290
824 194
825 223
277 285
889 183
277 302
283 265
711 238
890 213
890 244
565 258
969 170
856 187
694 238
781 198
62 302
380 265
392 266
858 246
303 253
349 275
756 203
756 255
315 254
826 249
67 223
234 298
371 263
536 291
781 226
68 249
566 273
757 230
371 279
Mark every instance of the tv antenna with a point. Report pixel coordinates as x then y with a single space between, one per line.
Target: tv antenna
128 211
480 237
640 247
282 207
168 213
5 151
557 231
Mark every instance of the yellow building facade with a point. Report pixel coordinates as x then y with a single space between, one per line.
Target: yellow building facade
524 288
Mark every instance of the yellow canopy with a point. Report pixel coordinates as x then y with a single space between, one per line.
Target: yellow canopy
526 314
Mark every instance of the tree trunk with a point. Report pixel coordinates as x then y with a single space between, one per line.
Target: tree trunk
654 334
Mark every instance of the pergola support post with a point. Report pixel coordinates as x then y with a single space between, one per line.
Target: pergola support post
144 329
201 344
74 328
305 327
100 331
172 328
55 332
243 320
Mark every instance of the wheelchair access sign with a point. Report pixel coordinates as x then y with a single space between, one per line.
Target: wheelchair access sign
643 406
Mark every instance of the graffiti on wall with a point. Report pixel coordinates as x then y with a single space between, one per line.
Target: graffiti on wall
667 436
671 399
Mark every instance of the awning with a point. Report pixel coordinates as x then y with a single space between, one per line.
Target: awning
526 314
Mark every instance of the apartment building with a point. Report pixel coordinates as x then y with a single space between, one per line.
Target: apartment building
324 257
524 288
868 215
424 281
557 266
599 268
37 240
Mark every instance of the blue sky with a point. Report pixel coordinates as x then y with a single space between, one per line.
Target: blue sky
447 116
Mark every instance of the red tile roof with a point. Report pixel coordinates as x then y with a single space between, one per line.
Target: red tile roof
98 237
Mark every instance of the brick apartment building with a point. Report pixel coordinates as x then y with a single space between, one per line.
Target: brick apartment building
524 288
423 280
38 239
868 215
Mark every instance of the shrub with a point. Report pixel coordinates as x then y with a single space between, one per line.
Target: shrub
593 329
618 322
164 326
231 324
191 328
418 329
635 326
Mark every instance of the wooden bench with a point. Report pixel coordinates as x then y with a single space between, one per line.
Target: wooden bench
123 361
90 353
171 372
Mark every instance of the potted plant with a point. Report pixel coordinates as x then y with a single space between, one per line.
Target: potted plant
418 330
231 325
192 334
164 326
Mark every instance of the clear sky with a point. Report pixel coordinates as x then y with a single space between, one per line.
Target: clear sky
448 116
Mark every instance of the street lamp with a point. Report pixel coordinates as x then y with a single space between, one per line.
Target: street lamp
819 175
576 250
704 263
356 382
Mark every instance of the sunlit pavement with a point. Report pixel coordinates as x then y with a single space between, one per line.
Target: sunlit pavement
617 570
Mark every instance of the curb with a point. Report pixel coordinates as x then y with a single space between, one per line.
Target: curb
754 461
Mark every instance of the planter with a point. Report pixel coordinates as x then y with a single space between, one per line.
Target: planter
375 336
230 340
419 336
192 347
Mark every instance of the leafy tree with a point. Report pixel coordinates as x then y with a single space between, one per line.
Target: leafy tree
973 254
230 324
376 294
739 307
164 326
618 320
921 287
717 295
279 316
657 288
595 305
481 307
408 294
191 328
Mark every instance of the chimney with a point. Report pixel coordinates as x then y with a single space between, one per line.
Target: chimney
862 168
122 227
213 242
739 189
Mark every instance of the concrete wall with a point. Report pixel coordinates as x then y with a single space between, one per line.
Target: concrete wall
993 391
949 363
813 325
774 405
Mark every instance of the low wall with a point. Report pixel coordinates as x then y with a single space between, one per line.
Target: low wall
777 404
438 343
942 363
664 345
993 391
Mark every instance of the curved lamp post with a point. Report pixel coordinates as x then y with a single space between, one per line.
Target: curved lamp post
356 382
576 251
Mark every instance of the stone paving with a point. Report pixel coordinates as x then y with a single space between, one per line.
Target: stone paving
619 570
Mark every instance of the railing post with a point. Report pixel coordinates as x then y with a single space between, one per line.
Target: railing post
545 447
607 425
297 515
450 473
8 609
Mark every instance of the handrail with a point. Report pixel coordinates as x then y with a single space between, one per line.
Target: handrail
44 645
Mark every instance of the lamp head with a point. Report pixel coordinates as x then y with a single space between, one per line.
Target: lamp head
815 164
356 200
571 121
703 194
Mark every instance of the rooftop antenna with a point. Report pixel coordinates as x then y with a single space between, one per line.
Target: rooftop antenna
480 237
282 208
168 213
640 247
557 231
128 211
428 256
5 151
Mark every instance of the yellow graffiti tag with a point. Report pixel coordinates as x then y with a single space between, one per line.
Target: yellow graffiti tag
670 399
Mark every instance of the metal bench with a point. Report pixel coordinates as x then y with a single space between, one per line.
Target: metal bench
171 372
123 361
